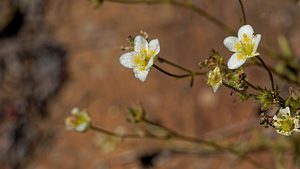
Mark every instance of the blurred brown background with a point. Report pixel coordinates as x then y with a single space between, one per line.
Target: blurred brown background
55 55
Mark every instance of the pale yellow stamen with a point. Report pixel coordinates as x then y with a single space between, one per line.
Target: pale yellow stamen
245 48
142 59
214 77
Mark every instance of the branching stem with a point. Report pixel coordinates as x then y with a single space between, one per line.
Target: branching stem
175 135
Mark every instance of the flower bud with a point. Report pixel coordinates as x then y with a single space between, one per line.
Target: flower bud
78 120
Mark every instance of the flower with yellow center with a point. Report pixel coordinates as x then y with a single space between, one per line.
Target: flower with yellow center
142 58
215 79
244 46
284 123
79 120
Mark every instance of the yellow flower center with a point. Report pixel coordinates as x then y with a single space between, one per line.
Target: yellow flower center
142 59
245 48
214 77
286 124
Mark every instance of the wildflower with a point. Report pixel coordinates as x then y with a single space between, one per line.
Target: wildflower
142 58
79 120
244 46
284 123
214 79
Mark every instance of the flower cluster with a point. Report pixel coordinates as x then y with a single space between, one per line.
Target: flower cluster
142 55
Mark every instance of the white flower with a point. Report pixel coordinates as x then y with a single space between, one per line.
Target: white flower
142 58
244 46
79 120
284 123
214 79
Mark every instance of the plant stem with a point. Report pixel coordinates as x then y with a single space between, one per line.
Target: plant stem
170 131
170 74
243 11
192 7
270 73
235 89
124 136
173 134
251 85
205 15
284 77
173 64
191 73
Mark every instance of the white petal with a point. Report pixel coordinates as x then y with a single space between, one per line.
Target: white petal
140 43
216 87
154 46
256 39
246 29
82 127
284 133
75 111
127 59
296 122
296 130
142 75
151 62
285 111
230 42
276 118
234 62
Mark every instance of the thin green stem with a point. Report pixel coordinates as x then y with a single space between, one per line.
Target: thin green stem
243 11
205 15
235 89
181 68
124 136
251 85
171 74
170 131
284 77
270 73
191 73
173 64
